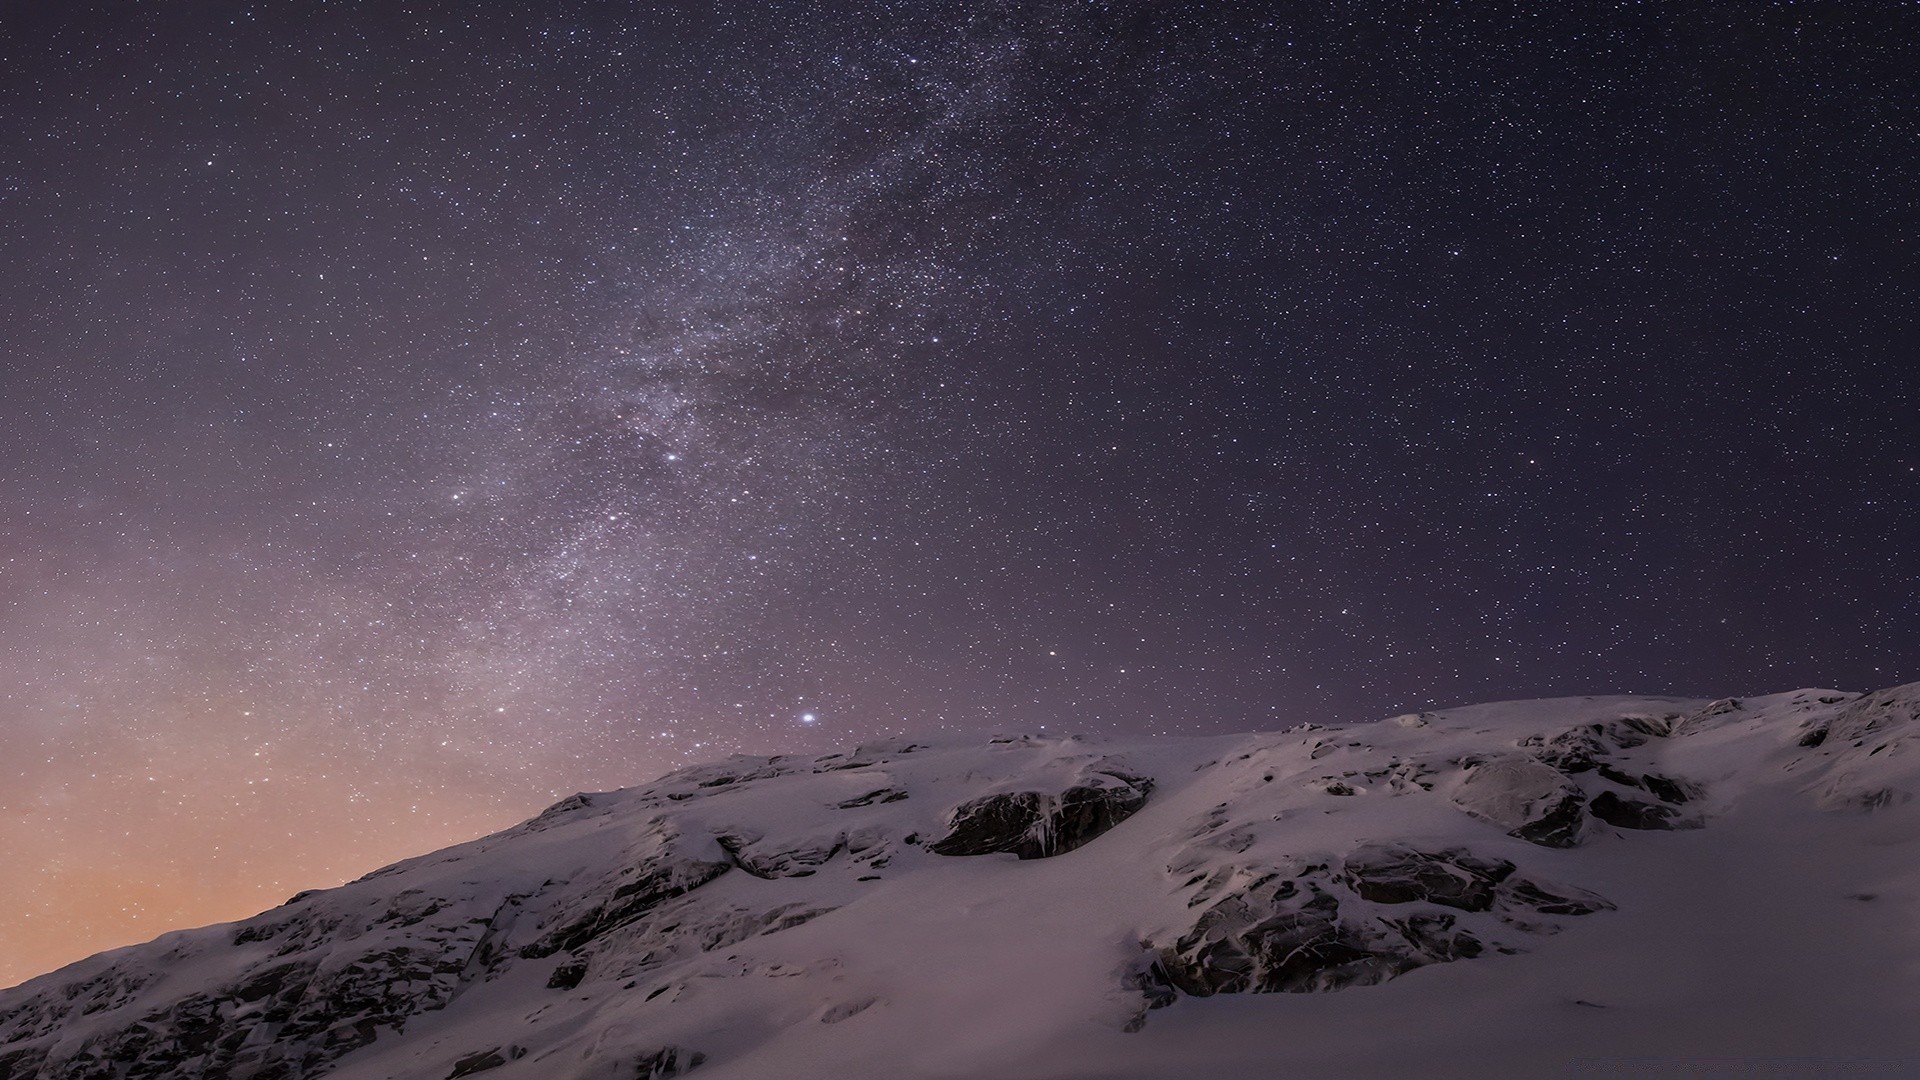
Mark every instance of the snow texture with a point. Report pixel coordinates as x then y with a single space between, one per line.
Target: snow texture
1595 885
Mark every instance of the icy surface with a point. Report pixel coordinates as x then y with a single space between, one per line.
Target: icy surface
1495 890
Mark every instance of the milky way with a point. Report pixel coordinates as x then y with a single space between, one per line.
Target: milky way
413 415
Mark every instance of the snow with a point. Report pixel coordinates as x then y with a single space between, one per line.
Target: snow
783 917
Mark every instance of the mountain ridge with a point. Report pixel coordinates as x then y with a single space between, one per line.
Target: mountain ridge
1058 906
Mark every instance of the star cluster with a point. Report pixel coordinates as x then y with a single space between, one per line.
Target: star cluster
413 413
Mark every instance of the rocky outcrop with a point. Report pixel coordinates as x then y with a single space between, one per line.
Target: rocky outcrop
1037 824
484 1060
666 1063
1638 814
1589 746
1858 751
1530 799
1314 926
25 1063
653 883
299 1008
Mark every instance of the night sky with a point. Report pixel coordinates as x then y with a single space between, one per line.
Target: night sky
411 413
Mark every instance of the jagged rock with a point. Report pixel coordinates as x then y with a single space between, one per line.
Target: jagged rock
1873 714
1635 814
667 1062
568 975
1859 765
1669 789
783 858
1035 825
1283 929
1284 936
1529 799
1608 772
484 1060
1588 746
1531 896
1404 777
884 795
1391 874
23 1064
660 880
685 928
1574 751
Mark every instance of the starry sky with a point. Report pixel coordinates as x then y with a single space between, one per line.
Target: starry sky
411 413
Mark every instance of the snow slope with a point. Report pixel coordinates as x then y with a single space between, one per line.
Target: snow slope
1604 885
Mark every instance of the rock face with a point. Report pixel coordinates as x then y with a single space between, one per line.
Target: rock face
327 982
758 916
1311 926
1858 751
1528 798
1637 814
1038 824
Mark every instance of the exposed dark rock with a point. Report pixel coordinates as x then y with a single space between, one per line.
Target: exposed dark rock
1711 716
1586 747
1815 735
883 795
1035 825
560 811
272 981
1880 711
1574 751
1150 981
1668 789
1287 938
1532 896
24 1064
357 975
1391 874
667 1062
996 823
1436 937
1283 929
478 1063
1608 772
767 862
568 975
1635 814
1529 799
1647 727
1404 777
658 880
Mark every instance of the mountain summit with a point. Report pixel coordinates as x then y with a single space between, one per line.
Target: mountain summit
1605 883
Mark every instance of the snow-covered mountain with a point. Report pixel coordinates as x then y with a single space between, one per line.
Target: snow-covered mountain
1614 884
